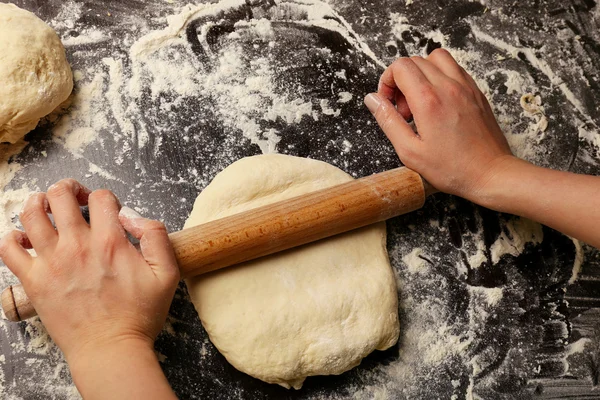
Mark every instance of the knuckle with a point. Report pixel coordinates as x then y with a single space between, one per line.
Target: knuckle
101 194
439 52
110 241
104 196
387 122
4 245
77 251
454 89
429 99
156 226
401 63
29 213
14 236
61 187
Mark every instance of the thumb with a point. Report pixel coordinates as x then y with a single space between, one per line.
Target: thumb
391 122
155 244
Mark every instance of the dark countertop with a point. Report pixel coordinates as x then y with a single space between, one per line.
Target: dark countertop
519 326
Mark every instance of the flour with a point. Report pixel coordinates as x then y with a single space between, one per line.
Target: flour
479 257
492 296
538 63
81 125
590 134
9 169
87 36
401 24
520 232
243 92
327 110
415 262
344 97
579 258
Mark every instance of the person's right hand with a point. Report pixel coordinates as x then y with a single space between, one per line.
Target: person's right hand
459 147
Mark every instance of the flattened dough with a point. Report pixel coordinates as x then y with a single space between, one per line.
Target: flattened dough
314 310
35 76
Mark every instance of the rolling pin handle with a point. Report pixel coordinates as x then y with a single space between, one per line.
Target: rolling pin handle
16 304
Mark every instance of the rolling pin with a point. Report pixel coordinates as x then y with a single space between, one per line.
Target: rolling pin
278 226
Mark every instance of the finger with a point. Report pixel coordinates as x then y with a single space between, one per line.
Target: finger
14 255
471 82
104 213
395 95
433 73
157 251
34 217
155 244
22 239
65 198
132 222
391 122
404 75
478 94
444 61
402 106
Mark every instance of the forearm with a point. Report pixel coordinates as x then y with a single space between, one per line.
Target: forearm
567 202
121 371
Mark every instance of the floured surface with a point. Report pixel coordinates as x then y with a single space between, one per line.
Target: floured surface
482 296
315 310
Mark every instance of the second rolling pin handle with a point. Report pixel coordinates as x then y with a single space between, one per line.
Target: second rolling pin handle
16 304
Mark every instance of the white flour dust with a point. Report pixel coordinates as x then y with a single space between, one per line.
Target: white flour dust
160 66
243 92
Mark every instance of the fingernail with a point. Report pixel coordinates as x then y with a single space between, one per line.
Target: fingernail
129 213
372 102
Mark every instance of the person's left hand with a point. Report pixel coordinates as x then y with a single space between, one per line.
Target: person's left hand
91 287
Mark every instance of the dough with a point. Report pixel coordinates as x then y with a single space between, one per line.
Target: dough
34 73
314 310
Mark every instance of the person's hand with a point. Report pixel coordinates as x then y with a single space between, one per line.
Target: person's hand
459 146
91 287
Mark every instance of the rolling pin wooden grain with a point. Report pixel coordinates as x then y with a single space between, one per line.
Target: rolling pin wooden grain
279 226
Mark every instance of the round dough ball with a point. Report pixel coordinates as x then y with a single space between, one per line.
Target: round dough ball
318 309
34 73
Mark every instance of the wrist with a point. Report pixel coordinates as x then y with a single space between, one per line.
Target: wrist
94 357
497 182
124 369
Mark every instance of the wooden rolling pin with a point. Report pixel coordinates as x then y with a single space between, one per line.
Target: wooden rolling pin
279 226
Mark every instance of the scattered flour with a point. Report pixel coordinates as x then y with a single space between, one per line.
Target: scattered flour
415 263
82 124
243 92
492 295
89 36
521 231
579 258
479 257
344 97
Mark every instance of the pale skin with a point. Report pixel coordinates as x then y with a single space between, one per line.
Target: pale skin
104 302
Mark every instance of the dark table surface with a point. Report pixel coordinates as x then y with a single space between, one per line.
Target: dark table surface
491 306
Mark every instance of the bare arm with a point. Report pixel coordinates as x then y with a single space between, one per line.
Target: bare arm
567 202
460 149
